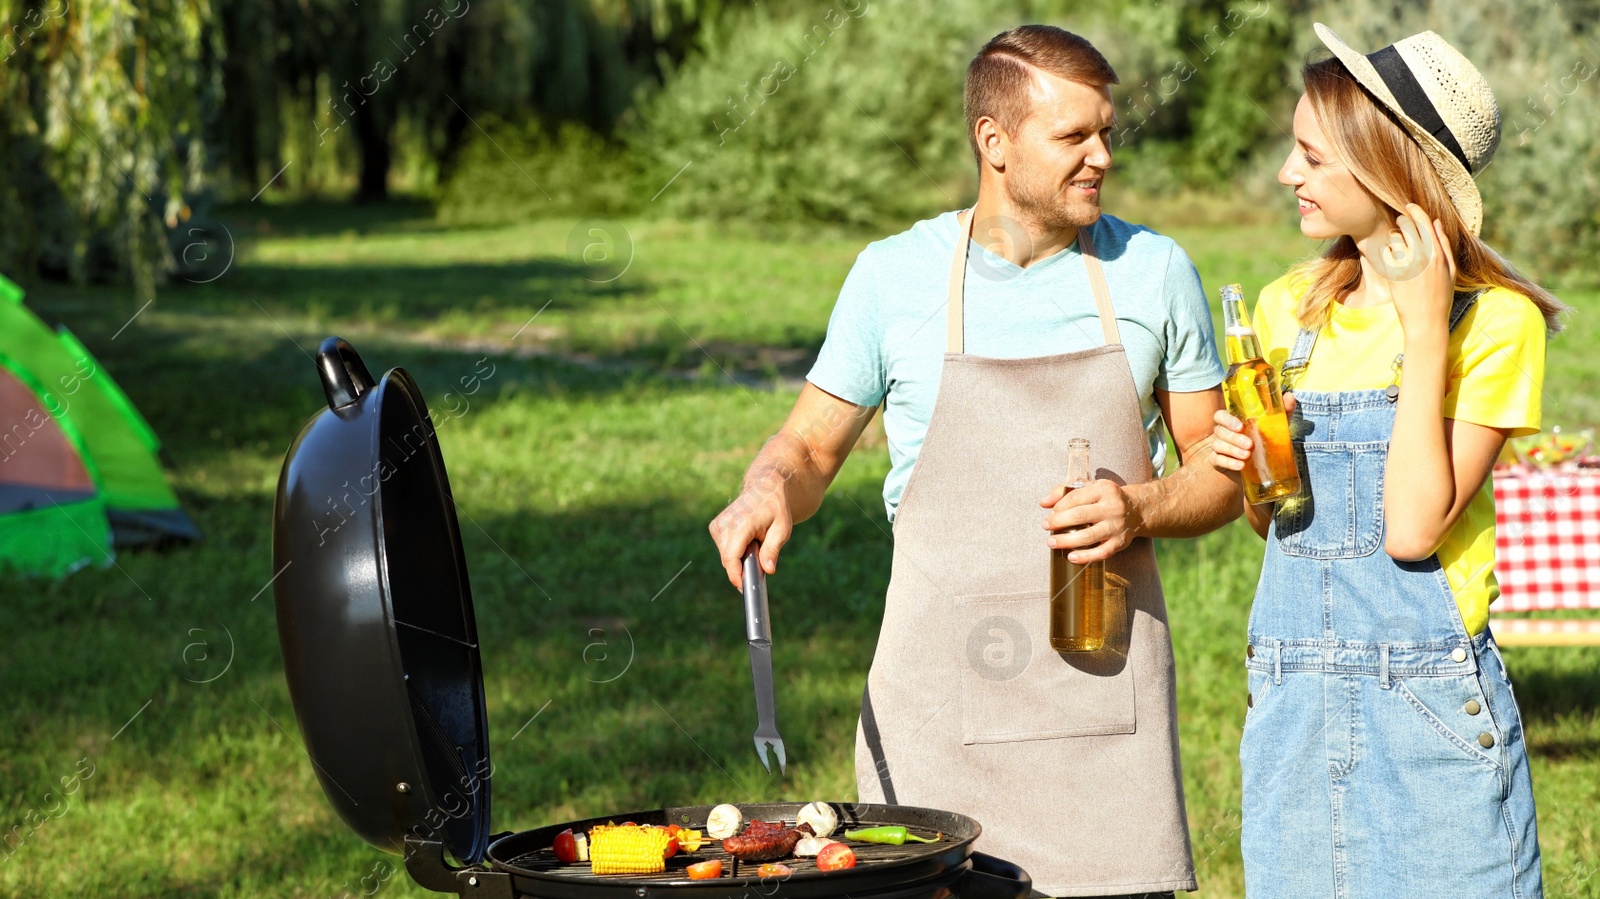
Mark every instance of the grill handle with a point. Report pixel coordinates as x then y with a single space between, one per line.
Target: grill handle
344 376
427 866
993 878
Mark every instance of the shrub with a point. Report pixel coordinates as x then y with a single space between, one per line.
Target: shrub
848 113
523 172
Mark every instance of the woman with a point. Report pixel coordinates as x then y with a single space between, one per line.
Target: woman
1383 754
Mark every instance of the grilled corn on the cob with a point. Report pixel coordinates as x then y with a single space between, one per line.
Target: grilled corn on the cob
628 849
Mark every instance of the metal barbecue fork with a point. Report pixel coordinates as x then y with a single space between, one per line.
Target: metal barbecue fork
758 632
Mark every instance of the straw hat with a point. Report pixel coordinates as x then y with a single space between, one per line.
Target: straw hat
1443 101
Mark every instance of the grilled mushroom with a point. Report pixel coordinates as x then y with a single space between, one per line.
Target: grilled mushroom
822 818
724 821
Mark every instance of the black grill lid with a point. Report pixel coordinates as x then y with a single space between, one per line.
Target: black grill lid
375 618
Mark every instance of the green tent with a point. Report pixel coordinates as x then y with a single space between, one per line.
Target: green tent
79 477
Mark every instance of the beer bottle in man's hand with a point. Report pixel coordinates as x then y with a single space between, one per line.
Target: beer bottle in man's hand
1077 592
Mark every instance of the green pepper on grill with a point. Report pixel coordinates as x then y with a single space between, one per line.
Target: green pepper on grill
893 836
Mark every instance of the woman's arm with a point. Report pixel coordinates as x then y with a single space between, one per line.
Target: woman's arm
1436 464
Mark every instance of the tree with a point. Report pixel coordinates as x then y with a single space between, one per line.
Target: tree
354 77
101 112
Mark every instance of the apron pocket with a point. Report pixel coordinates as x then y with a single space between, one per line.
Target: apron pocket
1016 687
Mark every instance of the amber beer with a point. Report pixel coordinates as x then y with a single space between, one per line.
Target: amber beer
1254 397
1077 592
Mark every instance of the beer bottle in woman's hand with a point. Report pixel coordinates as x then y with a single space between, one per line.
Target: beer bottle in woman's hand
1253 396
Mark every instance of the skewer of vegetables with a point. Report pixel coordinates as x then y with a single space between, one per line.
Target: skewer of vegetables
569 847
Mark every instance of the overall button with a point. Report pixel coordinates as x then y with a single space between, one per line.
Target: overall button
1249 700
1473 708
1486 740
1250 651
1458 654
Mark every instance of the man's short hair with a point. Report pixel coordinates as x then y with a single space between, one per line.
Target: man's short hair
999 76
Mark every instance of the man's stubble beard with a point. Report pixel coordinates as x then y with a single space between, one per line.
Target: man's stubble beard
1043 205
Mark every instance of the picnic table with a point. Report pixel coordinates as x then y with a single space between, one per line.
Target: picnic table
1547 546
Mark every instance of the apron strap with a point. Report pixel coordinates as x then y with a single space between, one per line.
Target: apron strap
954 338
954 314
1102 291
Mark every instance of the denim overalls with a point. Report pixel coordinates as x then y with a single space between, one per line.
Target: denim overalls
1383 755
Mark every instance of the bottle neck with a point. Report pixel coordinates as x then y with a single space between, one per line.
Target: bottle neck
1078 471
1243 346
1239 337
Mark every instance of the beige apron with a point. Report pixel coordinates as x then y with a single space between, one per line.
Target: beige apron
1069 761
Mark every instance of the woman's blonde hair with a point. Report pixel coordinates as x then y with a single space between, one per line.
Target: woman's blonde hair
1385 159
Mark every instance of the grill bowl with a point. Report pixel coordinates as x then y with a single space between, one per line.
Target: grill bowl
879 868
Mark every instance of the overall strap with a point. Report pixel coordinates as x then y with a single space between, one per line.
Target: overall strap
1462 303
1300 356
954 313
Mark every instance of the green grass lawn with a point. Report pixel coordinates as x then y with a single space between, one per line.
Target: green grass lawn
586 466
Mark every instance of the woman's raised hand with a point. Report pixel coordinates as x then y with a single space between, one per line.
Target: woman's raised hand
1420 266
1408 254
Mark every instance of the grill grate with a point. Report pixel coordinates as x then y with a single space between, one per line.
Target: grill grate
544 861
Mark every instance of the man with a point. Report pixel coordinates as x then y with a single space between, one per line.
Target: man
1069 324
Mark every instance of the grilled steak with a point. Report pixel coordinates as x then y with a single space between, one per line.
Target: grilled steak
763 842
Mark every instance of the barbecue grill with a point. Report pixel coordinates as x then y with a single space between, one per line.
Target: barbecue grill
380 651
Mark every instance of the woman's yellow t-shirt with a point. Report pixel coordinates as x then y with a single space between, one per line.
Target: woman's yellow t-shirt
1496 360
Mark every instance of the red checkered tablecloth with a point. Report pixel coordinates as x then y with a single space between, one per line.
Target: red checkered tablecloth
1547 538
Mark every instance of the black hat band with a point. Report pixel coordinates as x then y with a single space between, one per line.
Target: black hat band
1413 100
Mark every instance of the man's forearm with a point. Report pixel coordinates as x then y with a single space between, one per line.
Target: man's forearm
785 464
1196 499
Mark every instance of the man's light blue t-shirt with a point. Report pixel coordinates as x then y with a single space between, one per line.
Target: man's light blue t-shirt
886 338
